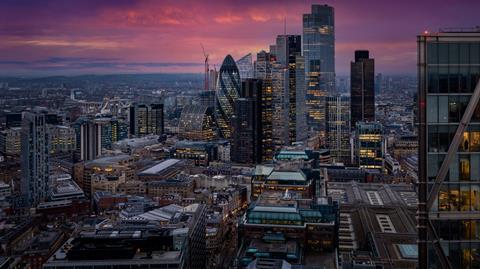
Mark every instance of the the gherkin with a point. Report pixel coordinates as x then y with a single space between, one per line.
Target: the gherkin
228 90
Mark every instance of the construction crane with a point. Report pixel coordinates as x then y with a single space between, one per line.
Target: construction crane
206 67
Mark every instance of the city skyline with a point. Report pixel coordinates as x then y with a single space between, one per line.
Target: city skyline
71 38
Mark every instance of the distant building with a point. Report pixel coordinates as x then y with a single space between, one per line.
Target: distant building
146 119
89 139
245 67
207 98
362 91
10 141
63 139
228 90
111 131
369 145
338 128
319 53
13 120
247 124
197 122
35 157
263 68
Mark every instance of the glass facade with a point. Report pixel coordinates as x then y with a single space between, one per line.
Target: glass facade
197 123
228 90
245 66
369 145
263 67
319 53
338 128
362 90
449 69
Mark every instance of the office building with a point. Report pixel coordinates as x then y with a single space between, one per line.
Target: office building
197 122
338 128
248 132
245 67
228 90
146 119
362 91
369 145
207 98
288 54
35 158
263 66
449 137
13 120
319 53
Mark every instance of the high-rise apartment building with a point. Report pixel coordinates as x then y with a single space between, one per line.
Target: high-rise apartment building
34 157
319 53
146 119
449 142
88 139
338 127
228 90
362 90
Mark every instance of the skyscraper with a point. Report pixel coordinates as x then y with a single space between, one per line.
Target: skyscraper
280 105
319 53
263 67
34 157
245 67
362 90
146 119
288 54
248 132
338 127
449 142
228 90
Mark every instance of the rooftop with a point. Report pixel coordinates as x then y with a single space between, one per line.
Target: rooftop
157 168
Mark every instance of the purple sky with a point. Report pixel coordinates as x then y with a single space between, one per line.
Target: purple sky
56 37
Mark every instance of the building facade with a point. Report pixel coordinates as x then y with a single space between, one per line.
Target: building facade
362 90
449 142
319 53
369 145
35 158
338 127
228 90
146 119
197 122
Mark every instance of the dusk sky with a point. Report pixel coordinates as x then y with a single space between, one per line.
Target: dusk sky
58 37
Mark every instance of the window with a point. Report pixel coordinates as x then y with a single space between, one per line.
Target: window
432 53
443 53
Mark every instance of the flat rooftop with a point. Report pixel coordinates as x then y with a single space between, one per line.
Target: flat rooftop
159 167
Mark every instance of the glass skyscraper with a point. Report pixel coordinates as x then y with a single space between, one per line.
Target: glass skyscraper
319 53
338 128
362 90
449 149
35 157
245 66
228 90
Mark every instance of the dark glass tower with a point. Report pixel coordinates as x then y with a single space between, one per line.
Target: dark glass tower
247 123
146 119
319 53
449 147
263 68
362 89
228 90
